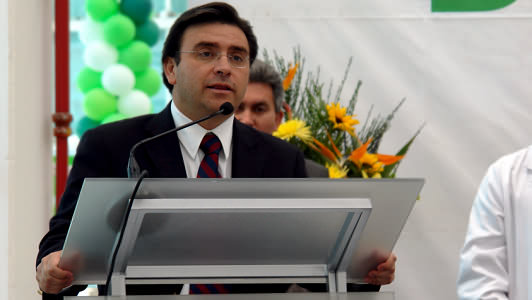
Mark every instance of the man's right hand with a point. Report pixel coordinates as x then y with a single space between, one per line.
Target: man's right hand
50 277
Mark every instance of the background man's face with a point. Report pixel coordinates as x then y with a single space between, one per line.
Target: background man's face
258 108
199 87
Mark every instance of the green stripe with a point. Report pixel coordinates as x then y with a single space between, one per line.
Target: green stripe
468 5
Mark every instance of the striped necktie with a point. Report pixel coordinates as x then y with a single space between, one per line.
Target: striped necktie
211 146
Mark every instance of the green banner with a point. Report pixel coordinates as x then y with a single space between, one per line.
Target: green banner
468 5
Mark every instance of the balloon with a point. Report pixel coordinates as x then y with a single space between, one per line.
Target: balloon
99 55
118 79
99 104
85 124
119 30
100 10
149 82
137 10
136 55
134 104
89 79
148 33
90 31
113 118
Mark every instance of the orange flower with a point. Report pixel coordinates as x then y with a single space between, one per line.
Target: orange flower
371 165
289 77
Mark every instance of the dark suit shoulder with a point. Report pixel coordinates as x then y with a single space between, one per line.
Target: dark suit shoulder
131 126
266 139
256 155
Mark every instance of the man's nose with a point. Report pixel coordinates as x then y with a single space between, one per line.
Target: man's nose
222 65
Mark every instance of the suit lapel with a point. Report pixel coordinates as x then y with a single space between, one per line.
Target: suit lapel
248 157
164 152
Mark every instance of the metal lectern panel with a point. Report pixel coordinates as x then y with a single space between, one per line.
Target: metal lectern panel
269 238
303 237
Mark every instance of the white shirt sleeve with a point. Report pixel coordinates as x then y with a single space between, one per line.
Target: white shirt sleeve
483 272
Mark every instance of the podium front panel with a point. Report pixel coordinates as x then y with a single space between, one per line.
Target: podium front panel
277 238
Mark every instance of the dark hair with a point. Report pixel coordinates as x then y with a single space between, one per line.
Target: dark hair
215 12
262 72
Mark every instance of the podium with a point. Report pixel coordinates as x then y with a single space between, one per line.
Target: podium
295 296
237 231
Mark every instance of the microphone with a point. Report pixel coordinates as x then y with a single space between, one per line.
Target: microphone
133 168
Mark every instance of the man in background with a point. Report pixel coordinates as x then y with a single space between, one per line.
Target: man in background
261 109
261 106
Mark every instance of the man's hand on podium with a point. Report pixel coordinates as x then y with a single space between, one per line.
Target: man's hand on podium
50 277
384 273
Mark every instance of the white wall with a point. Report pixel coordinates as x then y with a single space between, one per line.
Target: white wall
25 115
4 237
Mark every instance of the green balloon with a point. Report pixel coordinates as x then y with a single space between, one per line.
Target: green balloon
118 30
138 10
148 33
85 124
149 82
89 79
100 10
113 118
99 104
136 55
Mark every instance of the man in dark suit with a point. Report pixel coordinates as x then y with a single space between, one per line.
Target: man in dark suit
206 59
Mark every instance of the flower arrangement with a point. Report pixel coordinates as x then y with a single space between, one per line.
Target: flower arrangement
325 130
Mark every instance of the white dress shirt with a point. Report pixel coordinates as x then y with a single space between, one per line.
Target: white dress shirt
495 262
190 140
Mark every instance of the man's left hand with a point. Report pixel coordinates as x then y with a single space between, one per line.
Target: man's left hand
384 273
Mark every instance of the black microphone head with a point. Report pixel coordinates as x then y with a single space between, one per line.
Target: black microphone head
226 108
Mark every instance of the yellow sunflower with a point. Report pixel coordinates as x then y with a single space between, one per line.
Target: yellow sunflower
294 128
342 121
336 171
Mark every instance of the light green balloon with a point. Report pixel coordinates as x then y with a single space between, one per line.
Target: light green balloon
100 10
89 79
118 30
113 118
99 104
149 82
136 55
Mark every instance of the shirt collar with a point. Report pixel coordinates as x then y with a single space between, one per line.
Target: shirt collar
191 137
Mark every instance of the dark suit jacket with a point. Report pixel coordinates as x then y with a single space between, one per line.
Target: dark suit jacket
104 152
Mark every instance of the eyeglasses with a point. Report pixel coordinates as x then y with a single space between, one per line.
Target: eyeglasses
237 59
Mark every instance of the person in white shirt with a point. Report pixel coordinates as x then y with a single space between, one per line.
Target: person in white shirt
494 262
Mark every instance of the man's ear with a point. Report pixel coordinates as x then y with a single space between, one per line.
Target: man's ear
169 67
278 118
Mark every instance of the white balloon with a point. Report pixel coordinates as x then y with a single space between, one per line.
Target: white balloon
99 55
90 31
134 104
118 79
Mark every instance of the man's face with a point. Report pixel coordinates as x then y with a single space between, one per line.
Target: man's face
201 87
258 108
